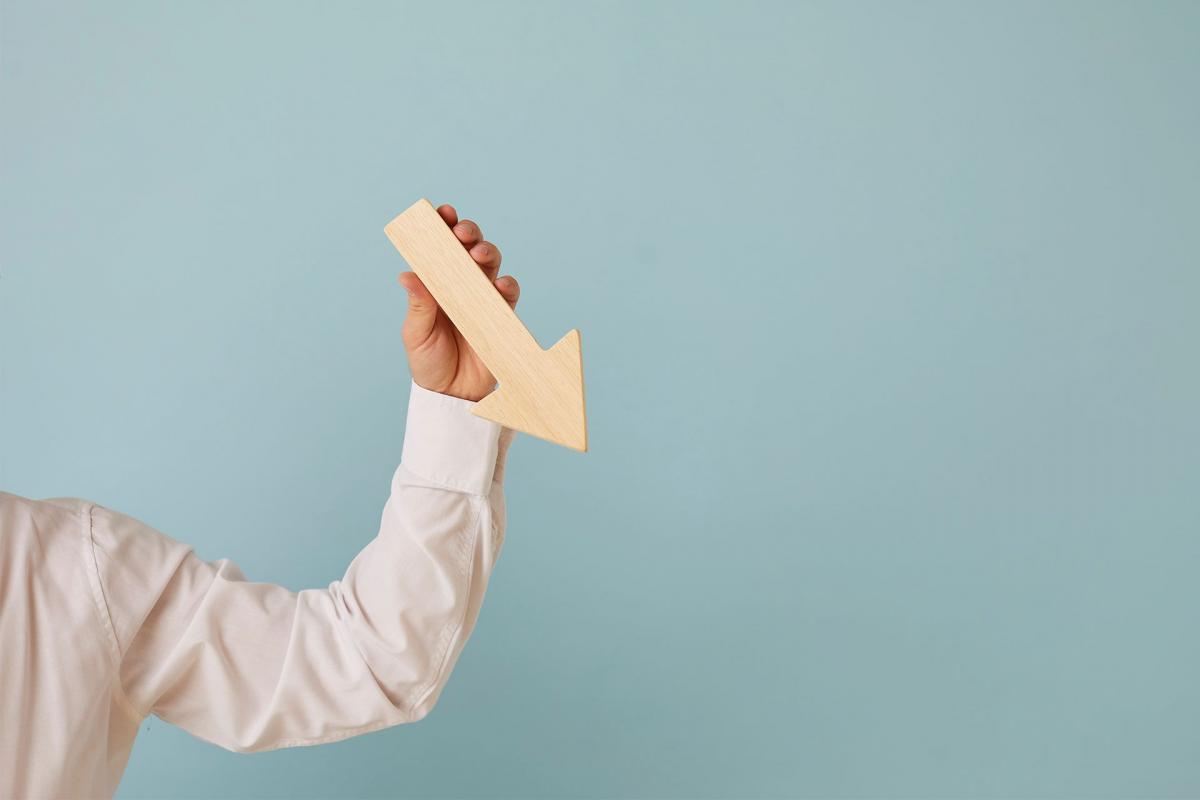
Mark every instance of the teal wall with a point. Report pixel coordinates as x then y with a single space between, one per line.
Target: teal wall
890 315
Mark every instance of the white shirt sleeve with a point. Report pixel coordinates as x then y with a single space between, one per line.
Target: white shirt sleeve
253 666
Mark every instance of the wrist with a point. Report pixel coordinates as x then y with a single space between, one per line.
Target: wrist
470 394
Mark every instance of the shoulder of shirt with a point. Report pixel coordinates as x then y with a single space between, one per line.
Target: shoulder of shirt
69 505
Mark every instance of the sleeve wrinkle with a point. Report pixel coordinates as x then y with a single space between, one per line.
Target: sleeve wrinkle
254 666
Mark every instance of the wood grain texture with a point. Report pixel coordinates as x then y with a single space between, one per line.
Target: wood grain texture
541 391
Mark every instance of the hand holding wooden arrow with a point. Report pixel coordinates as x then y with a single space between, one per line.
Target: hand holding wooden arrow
541 391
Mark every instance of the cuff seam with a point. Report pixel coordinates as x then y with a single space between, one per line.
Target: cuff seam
447 445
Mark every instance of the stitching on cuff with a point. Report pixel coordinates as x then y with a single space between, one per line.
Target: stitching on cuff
431 482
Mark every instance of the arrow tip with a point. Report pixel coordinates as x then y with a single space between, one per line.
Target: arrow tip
546 399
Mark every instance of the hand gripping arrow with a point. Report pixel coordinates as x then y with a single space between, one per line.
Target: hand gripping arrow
541 391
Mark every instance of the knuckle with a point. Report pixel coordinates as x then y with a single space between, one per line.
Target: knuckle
489 252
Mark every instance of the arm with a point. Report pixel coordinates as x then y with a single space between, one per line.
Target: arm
253 666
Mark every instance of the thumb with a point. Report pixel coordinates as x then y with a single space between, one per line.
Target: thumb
422 310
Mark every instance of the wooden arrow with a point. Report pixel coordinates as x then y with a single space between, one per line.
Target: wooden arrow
541 391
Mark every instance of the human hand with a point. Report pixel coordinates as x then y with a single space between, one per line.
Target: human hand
439 358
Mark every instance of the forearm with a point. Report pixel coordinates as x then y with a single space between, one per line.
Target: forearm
252 666
439 539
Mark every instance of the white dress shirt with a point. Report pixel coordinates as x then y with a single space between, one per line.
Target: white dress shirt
104 620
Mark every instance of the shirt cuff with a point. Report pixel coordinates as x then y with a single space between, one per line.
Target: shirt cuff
446 444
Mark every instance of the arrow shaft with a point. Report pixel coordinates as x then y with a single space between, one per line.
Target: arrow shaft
462 290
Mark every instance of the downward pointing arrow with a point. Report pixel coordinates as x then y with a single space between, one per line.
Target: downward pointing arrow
541 391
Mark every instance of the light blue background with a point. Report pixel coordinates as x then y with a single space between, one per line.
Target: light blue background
890 317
